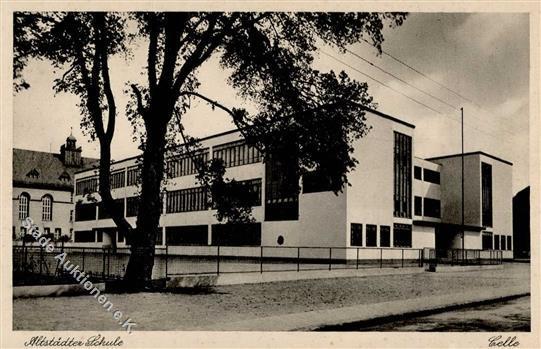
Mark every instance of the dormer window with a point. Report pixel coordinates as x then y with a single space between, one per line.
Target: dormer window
65 177
33 174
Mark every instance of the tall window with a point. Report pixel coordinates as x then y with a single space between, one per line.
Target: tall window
356 234
486 194
509 243
57 233
496 242
133 174
117 179
402 175
371 235
487 240
236 153
384 236
46 208
418 206
418 172
187 164
281 190
24 206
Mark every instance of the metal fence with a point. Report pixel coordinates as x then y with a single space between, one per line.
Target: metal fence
184 260
34 265
464 257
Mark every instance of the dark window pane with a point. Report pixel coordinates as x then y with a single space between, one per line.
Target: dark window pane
418 172
487 240
187 235
496 242
486 194
418 206
384 236
371 235
432 208
356 234
401 235
431 176
248 234
315 182
85 212
84 236
509 243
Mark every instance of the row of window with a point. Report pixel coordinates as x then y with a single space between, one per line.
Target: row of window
236 154
401 236
187 164
46 207
426 174
46 231
492 241
233 154
183 200
432 207
97 235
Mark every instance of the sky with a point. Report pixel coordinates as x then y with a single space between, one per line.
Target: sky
482 57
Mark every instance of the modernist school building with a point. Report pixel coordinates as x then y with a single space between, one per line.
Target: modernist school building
395 200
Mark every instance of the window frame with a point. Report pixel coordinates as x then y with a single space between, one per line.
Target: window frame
24 206
47 208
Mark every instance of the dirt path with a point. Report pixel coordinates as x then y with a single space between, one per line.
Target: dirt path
182 311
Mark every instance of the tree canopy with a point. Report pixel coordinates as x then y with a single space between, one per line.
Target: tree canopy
303 114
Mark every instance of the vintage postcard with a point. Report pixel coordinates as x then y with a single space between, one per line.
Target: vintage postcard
270 174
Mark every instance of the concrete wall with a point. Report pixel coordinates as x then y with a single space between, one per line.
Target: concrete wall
423 237
370 196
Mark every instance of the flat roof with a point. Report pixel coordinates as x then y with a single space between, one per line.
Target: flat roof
472 153
370 110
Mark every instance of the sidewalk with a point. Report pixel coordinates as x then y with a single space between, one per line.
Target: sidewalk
267 304
313 320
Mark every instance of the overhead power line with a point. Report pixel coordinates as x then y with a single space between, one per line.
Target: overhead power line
380 82
410 98
423 74
402 80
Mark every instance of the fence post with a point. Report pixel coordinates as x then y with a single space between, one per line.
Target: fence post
218 261
298 258
357 261
166 258
402 258
261 261
40 259
103 264
330 257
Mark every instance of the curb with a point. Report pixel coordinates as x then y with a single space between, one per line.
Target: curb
210 280
333 319
53 290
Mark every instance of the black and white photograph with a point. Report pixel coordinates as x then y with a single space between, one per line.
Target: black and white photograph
344 174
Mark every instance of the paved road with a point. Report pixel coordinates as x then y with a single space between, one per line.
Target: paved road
226 304
509 316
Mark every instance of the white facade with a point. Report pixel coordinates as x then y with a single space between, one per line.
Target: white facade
363 215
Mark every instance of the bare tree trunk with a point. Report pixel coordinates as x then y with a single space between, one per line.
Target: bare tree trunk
143 241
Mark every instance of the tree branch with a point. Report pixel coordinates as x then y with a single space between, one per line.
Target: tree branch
152 53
